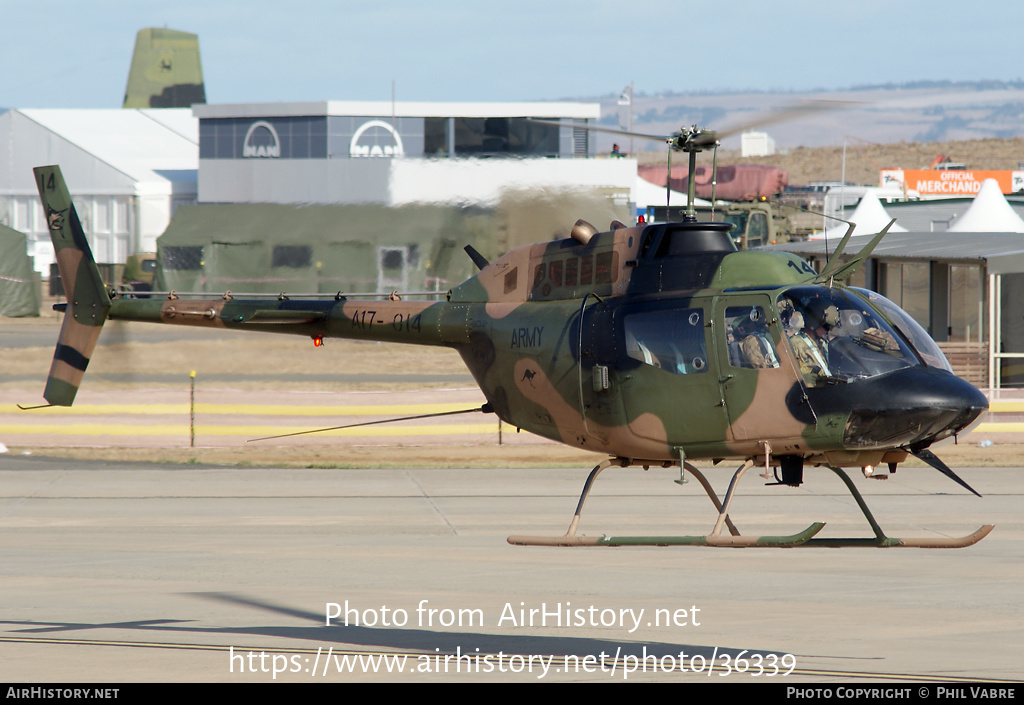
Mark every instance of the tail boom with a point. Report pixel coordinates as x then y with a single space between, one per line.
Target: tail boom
89 305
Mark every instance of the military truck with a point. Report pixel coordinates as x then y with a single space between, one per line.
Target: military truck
756 223
138 272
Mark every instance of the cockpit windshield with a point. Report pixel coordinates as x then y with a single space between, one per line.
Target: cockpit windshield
911 329
837 337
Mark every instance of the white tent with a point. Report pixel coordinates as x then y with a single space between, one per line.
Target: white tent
128 170
988 213
869 216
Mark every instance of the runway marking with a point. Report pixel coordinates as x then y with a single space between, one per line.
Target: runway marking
85 429
1006 406
328 410
999 427
239 409
146 421
618 663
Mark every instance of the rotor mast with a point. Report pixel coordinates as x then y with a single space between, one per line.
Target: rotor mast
691 140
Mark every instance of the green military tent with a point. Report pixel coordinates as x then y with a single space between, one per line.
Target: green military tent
269 248
18 294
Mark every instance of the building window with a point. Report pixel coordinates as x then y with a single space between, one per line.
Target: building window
299 137
966 304
24 211
101 224
294 256
182 258
435 137
907 285
491 137
120 222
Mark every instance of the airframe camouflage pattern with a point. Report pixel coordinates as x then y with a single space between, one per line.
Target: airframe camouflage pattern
628 342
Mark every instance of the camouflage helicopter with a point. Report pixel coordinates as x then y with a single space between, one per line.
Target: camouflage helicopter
655 345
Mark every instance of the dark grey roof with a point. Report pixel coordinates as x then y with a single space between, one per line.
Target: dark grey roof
1003 253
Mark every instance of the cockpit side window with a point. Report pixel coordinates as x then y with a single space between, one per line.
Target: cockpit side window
748 338
669 340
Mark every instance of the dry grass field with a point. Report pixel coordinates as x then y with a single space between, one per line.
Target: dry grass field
864 160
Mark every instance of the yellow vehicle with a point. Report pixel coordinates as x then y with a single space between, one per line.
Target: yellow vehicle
138 272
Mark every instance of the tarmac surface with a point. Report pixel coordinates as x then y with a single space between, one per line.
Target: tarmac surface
129 572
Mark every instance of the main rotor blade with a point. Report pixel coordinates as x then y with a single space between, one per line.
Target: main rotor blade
708 137
929 457
609 130
790 113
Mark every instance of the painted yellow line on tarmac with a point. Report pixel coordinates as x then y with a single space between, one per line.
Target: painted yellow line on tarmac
240 409
244 431
158 409
997 427
1006 406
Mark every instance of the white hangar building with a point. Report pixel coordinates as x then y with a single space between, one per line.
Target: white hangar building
398 153
128 170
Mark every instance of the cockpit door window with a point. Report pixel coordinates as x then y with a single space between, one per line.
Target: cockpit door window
671 340
748 339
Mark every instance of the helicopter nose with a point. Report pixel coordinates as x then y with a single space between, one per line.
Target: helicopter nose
910 407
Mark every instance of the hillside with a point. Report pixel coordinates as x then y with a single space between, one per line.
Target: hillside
865 159
979 123
917 112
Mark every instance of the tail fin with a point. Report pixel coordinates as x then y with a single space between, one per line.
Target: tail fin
166 71
88 301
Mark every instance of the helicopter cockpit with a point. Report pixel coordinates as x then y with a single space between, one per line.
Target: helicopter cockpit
841 335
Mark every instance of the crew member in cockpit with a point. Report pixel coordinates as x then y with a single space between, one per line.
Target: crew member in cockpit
755 344
809 332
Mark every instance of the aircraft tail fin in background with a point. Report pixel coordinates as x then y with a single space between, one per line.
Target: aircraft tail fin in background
166 71
88 301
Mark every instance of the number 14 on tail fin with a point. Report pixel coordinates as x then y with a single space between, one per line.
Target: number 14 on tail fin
87 298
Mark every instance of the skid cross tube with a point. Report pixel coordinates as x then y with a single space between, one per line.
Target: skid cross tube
715 538
735 539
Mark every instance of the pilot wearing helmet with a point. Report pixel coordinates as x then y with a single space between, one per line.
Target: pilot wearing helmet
755 346
809 332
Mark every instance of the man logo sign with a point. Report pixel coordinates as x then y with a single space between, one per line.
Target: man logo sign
261 141
376 138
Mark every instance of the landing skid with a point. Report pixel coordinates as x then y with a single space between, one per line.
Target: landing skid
882 541
734 539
